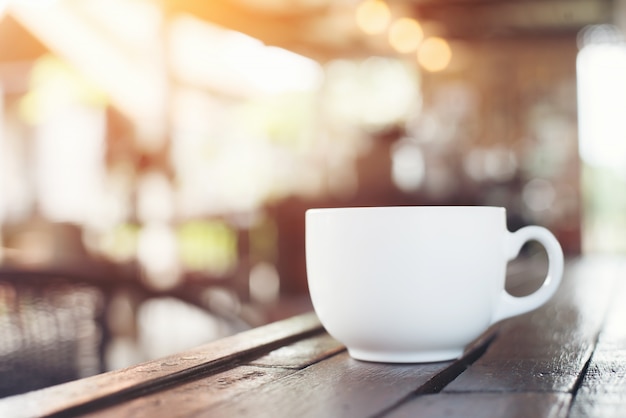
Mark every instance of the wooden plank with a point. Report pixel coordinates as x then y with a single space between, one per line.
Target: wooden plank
193 397
284 376
547 350
602 392
337 387
485 405
133 381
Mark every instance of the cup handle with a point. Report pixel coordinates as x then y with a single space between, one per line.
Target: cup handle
511 305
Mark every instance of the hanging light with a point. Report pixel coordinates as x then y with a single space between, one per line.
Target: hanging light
405 35
373 16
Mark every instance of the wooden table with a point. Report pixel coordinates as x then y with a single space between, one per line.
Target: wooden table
567 359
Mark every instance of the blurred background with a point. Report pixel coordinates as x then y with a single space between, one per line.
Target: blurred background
157 156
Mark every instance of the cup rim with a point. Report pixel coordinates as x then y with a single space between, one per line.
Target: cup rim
406 208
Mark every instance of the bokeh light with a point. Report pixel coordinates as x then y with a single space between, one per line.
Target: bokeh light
373 16
264 283
408 166
207 246
539 195
405 35
434 54
157 252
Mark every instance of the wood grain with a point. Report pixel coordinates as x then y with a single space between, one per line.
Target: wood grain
602 392
485 405
301 353
299 378
548 349
337 387
198 395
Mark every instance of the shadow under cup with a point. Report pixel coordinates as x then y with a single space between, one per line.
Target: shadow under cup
417 284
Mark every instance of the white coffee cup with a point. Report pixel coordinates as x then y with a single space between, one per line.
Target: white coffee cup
417 283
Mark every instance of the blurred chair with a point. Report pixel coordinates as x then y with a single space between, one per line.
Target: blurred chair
55 325
52 329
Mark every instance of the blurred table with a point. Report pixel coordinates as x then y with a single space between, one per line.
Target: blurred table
566 359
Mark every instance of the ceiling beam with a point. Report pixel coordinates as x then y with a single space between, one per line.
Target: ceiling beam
532 18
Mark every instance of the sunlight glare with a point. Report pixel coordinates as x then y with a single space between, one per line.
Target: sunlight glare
235 63
602 102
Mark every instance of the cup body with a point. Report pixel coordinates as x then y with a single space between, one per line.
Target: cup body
406 284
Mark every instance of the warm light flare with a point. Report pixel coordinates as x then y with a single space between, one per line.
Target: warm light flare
405 35
373 16
434 54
